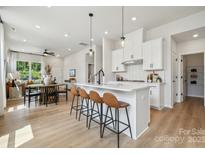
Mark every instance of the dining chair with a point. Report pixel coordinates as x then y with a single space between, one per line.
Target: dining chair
63 89
30 93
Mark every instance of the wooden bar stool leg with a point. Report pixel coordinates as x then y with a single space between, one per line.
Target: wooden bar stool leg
81 107
72 105
128 120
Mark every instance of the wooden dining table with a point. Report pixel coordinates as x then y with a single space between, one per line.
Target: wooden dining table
47 92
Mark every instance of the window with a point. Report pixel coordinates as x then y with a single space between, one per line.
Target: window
29 70
35 71
23 68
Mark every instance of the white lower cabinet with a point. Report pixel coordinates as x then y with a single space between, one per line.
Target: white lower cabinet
156 96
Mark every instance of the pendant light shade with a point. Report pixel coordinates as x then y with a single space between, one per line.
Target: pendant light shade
122 36
91 37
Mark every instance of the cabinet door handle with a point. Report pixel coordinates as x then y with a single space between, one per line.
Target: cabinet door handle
132 56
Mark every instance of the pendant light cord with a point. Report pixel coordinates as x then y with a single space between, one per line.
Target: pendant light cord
91 15
122 22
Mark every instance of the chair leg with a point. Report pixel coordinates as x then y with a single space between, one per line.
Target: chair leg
112 117
29 101
72 105
87 103
128 120
118 135
105 121
66 95
24 100
81 107
101 118
36 97
91 114
76 116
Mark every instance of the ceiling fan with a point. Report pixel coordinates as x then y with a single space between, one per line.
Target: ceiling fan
45 53
50 53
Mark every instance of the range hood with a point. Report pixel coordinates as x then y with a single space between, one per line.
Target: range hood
133 62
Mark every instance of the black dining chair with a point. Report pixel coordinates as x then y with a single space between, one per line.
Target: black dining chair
31 93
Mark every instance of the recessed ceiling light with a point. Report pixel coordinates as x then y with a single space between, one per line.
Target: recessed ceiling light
24 40
13 29
92 39
134 18
106 32
195 35
37 26
69 49
65 35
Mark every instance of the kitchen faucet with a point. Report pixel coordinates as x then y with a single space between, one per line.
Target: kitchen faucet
99 72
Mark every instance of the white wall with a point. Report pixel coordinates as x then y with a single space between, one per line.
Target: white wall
166 31
193 46
107 46
2 70
77 60
57 67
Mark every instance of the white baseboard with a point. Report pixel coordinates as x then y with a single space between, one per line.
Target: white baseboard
195 96
141 133
168 106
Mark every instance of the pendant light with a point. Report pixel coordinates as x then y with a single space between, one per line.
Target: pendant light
91 39
122 36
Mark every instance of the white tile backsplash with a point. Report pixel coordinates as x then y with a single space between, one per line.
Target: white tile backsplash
136 72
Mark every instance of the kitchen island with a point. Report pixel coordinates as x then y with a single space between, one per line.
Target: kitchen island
137 96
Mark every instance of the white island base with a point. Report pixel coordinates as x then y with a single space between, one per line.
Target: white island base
136 96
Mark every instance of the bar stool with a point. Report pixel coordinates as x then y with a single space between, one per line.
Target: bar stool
84 108
75 93
96 99
111 101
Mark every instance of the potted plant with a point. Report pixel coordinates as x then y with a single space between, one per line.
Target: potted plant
47 79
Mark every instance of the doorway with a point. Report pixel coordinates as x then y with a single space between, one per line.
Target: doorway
192 83
90 68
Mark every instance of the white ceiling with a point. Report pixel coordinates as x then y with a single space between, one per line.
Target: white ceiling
56 21
188 35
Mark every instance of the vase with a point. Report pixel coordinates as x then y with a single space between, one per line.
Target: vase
47 80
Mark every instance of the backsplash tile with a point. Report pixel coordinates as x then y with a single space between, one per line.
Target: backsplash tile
136 72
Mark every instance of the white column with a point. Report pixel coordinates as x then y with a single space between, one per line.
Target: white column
2 71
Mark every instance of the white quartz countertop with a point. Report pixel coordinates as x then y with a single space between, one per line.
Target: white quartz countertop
115 86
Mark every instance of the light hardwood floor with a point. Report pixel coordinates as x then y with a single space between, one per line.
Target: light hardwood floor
52 126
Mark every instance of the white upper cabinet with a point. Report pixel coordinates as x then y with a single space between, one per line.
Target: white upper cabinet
133 45
117 58
153 54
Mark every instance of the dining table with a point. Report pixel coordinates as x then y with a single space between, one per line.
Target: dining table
48 93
